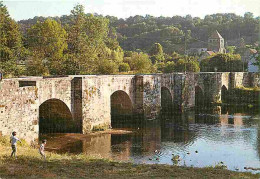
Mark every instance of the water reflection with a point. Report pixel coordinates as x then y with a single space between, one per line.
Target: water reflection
201 138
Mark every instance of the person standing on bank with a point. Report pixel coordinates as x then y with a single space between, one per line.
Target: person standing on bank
13 141
41 149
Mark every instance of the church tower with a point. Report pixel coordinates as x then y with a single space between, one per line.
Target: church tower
216 43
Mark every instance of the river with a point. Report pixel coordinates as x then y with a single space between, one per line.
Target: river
227 136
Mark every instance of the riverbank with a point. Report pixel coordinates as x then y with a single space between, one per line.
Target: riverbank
30 165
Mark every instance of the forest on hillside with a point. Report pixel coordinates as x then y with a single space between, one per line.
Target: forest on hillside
82 43
140 32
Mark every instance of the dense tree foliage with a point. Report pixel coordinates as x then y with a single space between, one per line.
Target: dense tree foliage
169 67
11 51
156 53
47 43
124 67
222 63
92 44
140 32
86 41
139 62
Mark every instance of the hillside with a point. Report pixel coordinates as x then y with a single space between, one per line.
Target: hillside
141 32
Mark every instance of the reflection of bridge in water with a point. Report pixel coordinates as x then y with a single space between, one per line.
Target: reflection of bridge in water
178 133
82 103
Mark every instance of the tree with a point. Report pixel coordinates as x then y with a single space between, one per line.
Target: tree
169 67
124 67
86 40
222 63
231 49
107 67
248 15
156 53
184 65
180 66
192 66
156 49
11 49
47 43
140 63
141 32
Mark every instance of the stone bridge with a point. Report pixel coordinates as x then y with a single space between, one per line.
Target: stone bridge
88 99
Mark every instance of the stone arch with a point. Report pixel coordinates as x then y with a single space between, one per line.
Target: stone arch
121 108
199 96
224 94
56 117
166 100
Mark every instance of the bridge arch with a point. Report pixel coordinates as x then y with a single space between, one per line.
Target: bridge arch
166 100
224 94
121 108
55 117
199 96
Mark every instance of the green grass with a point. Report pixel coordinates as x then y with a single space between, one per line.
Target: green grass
30 165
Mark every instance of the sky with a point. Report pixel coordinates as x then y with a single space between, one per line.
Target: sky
25 9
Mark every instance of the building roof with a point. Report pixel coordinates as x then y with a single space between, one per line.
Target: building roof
211 52
215 35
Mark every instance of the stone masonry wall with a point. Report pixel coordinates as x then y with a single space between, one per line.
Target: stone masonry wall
211 84
246 79
55 88
188 91
151 95
96 92
18 109
19 106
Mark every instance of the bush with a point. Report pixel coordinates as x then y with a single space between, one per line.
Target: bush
140 63
169 67
222 63
160 66
124 67
107 67
187 66
11 69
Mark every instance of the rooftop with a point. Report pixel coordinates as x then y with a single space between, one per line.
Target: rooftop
215 35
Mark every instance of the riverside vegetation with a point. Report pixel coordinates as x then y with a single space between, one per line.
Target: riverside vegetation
30 165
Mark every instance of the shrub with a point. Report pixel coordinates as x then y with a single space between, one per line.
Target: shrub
124 67
107 67
169 67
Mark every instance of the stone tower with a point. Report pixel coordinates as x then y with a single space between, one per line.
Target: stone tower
216 43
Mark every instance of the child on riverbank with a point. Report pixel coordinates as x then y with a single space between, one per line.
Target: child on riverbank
41 149
13 141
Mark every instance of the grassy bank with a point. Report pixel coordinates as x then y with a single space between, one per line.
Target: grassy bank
30 165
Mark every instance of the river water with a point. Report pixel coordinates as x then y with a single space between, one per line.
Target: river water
227 136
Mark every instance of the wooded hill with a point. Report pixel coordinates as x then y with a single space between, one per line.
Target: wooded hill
82 43
139 33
